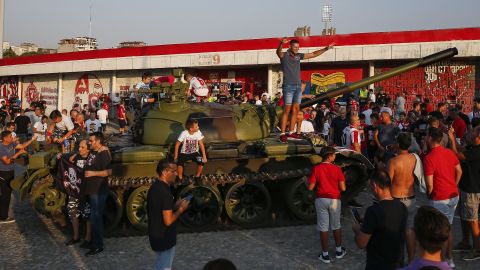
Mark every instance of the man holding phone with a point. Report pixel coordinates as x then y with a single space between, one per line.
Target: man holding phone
162 214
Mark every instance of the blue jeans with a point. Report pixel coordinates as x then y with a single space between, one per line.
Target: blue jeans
164 259
446 207
97 205
292 93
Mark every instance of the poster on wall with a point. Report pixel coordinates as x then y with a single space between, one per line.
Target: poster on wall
448 82
36 88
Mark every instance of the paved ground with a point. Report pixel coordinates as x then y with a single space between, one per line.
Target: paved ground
34 242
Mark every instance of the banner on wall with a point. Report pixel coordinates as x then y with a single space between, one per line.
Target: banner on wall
36 88
447 82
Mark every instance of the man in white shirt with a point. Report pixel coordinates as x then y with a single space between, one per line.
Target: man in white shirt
40 129
93 124
371 96
63 123
102 117
198 87
367 114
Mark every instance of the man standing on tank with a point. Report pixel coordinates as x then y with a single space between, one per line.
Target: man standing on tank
292 92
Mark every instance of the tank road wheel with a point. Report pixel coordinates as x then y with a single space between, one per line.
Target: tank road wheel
356 178
112 213
136 208
45 198
247 204
205 206
300 200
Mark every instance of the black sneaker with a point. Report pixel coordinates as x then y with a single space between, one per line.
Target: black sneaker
462 247
341 254
86 245
324 259
93 252
72 242
473 256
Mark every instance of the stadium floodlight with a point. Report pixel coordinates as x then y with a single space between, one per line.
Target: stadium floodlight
327 13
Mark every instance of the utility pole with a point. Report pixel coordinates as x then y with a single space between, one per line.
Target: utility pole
2 7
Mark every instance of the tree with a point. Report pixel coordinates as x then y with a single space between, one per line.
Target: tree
30 53
9 53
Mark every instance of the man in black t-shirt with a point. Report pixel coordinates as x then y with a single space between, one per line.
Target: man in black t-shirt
23 123
162 215
96 172
382 230
336 129
469 186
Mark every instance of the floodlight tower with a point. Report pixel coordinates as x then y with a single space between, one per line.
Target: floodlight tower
327 16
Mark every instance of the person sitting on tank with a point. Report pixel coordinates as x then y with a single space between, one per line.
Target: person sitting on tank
193 149
302 124
198 87
77 206
144 84
61 128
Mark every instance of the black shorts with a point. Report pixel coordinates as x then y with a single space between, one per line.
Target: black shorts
195 157
122 123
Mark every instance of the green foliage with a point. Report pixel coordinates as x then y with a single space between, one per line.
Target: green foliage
9 53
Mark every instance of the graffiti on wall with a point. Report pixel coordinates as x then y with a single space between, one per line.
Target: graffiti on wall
320 83
88 89
441 82
8 87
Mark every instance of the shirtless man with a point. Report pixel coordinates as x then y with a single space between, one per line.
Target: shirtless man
401 171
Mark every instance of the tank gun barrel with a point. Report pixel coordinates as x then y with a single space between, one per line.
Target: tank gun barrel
422 62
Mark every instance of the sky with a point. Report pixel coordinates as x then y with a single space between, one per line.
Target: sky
45 22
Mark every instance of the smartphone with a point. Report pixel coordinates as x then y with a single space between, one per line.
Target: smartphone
189 197
356 215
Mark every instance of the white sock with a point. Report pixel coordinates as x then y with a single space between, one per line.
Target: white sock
324 253
339 249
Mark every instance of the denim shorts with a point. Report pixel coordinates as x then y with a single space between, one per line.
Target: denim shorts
292 93
446 207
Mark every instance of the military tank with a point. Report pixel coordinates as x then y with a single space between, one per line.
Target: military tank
251 179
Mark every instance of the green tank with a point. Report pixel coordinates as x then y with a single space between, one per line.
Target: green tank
251 179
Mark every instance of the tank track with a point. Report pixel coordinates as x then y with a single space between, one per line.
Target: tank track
212 179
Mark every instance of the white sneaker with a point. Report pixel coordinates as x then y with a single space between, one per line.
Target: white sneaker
8 220
450 263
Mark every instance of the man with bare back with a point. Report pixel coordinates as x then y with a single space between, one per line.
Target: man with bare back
401 171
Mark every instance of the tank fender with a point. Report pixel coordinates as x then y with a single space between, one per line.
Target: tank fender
31 178
348 153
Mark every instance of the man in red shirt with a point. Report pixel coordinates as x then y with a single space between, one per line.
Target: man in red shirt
122 117
329 181
442 173
458 124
